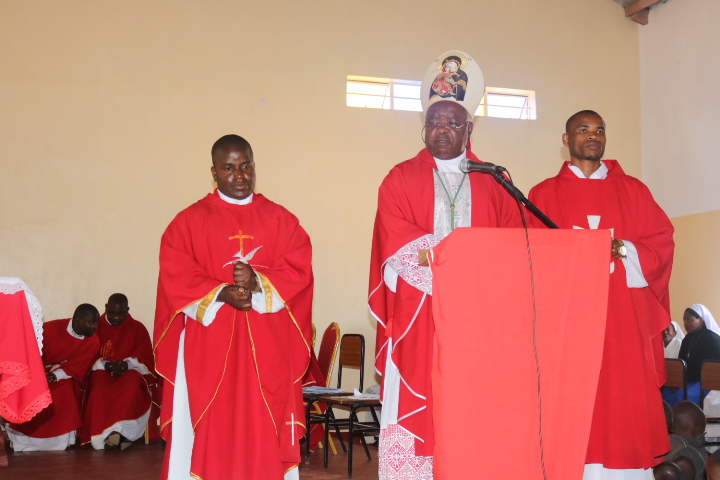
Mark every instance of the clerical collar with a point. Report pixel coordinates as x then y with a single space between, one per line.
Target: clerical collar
72 332
452 165
236 201
599 174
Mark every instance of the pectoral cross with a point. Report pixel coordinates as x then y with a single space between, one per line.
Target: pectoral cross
292 424
594 224
241 239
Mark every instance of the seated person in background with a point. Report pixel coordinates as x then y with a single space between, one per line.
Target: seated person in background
688 437
667 471
69 349
713 466
118 405
672 338
701 343
668 416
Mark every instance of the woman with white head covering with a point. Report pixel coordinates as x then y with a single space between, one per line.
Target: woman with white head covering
701 343
672 338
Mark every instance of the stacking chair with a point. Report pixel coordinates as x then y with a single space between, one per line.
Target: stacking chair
352 355
676 374
326 360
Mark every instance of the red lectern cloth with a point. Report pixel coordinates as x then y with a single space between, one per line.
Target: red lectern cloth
23 387
485 381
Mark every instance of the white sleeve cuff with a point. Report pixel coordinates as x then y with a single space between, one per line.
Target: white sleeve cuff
99 365
259 304
210 312
633 271
134 364
390 276
60 374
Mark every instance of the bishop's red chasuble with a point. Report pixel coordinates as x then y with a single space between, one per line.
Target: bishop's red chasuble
406 207
75 356
628 429
244 370
127 397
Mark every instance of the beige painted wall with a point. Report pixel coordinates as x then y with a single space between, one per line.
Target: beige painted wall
695 271
108 110
680 72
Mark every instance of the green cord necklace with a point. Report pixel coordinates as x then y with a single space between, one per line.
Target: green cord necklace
453 199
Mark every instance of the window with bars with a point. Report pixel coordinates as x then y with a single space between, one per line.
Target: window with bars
393 94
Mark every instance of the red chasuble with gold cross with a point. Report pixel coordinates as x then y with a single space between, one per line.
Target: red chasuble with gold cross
244 370
127 397
628 428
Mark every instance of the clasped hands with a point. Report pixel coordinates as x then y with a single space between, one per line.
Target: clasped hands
239 295
116 368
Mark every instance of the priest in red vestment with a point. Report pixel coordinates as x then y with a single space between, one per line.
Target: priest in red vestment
420 202
628 435
69 348
119 398
233 329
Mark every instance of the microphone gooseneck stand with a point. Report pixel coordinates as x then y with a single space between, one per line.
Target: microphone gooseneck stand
513 190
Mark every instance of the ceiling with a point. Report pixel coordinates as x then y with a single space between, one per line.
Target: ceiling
639 10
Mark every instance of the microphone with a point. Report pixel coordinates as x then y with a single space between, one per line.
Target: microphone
467 166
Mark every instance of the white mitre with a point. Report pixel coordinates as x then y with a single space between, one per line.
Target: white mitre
453 76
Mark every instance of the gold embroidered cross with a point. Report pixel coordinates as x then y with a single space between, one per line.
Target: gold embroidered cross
292 424
241 239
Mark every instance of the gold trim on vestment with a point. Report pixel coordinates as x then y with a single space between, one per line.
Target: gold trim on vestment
206 302
172 319
227 354
297 465
257 372
268 289
292 317
166 424
195 476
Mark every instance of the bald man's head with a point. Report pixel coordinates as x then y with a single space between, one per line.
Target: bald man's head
686 466
667 471
688 419
713 466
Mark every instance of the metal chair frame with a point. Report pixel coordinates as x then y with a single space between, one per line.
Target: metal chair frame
352 355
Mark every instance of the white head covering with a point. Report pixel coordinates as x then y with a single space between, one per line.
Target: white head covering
707 317
679 333
453 76
673 348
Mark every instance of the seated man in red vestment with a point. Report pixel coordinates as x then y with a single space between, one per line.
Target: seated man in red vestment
69 348
119 401
590 193
420 202
233 329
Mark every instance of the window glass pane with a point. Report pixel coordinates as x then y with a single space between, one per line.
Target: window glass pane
410 104
367 101
407 91
504 112
506 100
368 88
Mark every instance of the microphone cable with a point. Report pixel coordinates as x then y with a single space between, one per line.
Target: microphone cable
534 330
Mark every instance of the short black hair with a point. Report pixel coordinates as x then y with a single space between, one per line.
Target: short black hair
230 141
85 310
578 114
118 298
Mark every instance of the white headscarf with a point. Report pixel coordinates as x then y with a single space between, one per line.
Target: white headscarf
707 317
673 348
